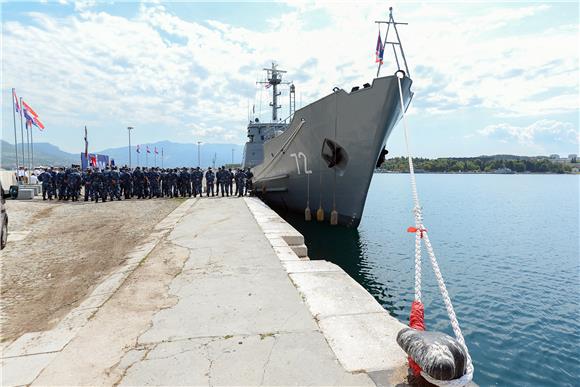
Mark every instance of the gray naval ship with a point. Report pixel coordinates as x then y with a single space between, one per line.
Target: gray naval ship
324 154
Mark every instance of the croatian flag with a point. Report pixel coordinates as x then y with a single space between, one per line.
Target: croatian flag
156 151
15 101
380 50
138 150
31 115
268 85
148 151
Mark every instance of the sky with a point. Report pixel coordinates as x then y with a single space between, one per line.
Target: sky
488 78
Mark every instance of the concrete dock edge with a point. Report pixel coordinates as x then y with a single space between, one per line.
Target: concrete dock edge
359 331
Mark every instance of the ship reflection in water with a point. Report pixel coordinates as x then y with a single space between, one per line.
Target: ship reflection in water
346 248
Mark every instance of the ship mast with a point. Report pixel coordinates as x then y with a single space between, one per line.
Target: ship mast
273 79
396 43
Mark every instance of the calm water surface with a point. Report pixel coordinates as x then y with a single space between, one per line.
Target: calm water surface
508 247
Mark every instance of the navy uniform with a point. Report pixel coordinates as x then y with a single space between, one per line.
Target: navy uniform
186 182
239 182
74 184
230 182
154 183
98 183
221 180
53 182
125 181
45 178
138 183
249 183
87 181
61 184
114 182
197 181
218 178
209 180
174 178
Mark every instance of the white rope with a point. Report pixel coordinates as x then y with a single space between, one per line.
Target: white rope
421 234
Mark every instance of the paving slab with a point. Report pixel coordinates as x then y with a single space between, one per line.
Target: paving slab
365 342
21 371
334 293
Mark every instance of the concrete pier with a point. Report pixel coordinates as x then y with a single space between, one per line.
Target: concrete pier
221 293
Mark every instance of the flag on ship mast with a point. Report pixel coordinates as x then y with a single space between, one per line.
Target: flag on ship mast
380 50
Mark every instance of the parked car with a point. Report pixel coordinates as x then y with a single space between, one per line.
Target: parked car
4 229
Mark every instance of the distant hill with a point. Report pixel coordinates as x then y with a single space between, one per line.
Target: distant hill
175 154
44 154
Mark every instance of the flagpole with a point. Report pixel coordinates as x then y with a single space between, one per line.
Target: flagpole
147 158
22 135
161 158
27 151
31 149
15 136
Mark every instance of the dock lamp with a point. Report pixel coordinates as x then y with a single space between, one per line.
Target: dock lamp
129 129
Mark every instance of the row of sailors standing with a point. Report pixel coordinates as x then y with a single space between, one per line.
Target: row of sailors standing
113 183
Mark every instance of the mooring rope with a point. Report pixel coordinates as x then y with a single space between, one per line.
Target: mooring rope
421 234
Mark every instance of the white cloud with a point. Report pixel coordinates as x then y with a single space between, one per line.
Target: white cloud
529 135
194 78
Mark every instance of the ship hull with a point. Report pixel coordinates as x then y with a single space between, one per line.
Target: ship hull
346 129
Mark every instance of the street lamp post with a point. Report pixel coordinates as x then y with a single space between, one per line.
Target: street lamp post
129 129
198 154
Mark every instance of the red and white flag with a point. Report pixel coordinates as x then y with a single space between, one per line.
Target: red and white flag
15 101
31 115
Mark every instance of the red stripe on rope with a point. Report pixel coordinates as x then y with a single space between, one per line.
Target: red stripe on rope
416 321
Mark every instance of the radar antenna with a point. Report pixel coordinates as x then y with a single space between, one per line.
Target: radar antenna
273 79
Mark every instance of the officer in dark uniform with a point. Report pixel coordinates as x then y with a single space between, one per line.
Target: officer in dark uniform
249 183
162 182
45 178
53 182
230 182
114 183
221 180
154 183
239 182
138 183
197 182
218 179
125 182
98 183
61 183
74 184
186 182
87 183
209 180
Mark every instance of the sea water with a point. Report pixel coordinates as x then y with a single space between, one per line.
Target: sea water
508 248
